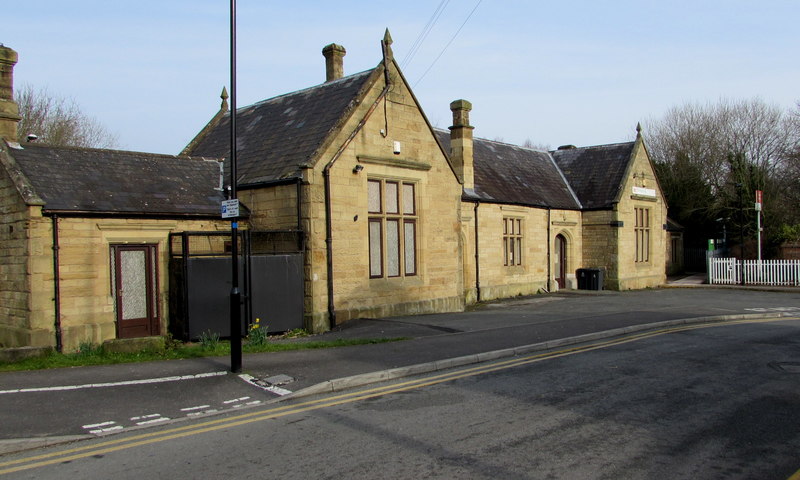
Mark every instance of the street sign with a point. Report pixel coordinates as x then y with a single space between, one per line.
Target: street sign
645 192
230 208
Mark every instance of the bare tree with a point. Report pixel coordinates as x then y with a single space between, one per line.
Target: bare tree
58 121
528 143
711 158
704 135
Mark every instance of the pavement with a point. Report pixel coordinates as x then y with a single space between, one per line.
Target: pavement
39 408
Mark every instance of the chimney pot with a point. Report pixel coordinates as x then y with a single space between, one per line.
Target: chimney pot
334 61
460 109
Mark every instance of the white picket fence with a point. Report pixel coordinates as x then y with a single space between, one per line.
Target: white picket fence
728 271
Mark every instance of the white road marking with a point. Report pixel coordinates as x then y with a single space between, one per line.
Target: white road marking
116 384
205 412
106 430
235 400
277 390
199 407
773 309
270 388
102 427
143 417
155 420
95 425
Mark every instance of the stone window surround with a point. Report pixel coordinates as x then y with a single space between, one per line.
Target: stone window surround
513 238
392 220
642 228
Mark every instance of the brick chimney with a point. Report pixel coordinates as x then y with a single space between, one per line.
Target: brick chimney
9 111
334 61
461 142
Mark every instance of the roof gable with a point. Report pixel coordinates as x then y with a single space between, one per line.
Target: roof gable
87 180
511 174
595 173
275 137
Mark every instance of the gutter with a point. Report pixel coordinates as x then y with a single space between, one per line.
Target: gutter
270 183
57 287
477 258
549 247
138 215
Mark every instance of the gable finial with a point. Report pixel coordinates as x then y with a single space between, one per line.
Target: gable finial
386 44
224 97
638 129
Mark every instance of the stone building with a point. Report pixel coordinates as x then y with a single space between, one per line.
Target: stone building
355 163
396 217
83 235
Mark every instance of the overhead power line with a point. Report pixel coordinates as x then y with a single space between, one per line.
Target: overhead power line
424 33
448 43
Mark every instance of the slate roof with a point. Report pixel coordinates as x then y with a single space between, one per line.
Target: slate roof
276 136
595 173
511 174
71 179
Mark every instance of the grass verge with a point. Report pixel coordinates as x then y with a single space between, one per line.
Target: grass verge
96 355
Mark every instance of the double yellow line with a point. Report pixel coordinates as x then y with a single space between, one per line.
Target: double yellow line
109 446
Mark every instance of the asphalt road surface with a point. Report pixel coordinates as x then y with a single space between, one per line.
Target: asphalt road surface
720 401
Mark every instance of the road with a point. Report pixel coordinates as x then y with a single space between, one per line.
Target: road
123 397
711 402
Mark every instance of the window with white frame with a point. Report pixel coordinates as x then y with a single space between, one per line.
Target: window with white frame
642 231
512 241
393 220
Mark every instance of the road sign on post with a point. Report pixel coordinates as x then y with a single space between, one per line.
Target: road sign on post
759 198
230 208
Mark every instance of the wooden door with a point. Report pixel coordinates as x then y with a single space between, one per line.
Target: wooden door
561 261
135 272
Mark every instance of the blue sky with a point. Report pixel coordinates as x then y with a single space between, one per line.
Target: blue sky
567 72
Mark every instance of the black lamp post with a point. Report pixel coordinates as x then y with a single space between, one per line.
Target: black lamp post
236 296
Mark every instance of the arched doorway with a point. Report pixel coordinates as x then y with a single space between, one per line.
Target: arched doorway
560 261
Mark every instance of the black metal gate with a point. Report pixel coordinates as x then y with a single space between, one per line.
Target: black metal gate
271 280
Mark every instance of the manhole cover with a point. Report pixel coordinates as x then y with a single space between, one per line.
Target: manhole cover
788 367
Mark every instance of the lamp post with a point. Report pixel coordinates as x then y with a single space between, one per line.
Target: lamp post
236 296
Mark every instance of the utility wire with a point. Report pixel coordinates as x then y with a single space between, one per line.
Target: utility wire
448 43
424 33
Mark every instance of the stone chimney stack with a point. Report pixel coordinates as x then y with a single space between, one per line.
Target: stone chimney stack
461 143
334 61
9 111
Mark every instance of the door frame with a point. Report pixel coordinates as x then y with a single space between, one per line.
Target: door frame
152 323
